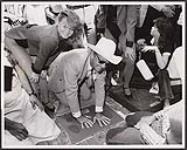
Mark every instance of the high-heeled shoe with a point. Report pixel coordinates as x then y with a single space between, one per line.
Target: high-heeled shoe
127 91
166 103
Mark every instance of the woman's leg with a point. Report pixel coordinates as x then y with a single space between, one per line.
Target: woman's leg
165 90
22 59
20 55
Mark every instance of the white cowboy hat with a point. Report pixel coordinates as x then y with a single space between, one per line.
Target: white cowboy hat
106 48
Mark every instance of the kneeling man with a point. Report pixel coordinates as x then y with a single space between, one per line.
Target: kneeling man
71 68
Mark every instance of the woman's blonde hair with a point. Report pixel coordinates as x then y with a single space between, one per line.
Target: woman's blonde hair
75 24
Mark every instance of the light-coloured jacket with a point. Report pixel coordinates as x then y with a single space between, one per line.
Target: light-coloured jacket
67 72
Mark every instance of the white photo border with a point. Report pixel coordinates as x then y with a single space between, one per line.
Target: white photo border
94 146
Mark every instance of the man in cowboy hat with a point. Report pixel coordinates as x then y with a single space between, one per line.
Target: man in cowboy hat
71 68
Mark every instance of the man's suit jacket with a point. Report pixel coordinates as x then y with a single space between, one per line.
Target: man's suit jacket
67 72
125 18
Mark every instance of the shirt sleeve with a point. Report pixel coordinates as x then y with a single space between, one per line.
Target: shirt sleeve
17 33
71 88
76 114
46 47
100 91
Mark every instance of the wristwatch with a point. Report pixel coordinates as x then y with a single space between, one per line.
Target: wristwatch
129 44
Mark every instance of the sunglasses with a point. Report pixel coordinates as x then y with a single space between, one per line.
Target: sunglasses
100 61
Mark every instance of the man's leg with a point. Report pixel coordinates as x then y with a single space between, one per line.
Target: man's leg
62 106
46 98
127 72
44 91
131 21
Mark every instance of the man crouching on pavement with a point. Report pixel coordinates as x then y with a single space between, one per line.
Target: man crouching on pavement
70 68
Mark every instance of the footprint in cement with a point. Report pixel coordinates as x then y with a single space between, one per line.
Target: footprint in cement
74 128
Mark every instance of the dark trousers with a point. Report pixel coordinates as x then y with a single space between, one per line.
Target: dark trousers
165 91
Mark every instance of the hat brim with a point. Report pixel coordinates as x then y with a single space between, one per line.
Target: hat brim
113 59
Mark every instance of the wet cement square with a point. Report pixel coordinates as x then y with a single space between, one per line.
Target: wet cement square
73 128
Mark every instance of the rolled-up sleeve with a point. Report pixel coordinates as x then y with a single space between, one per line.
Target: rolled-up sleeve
46 47
100 91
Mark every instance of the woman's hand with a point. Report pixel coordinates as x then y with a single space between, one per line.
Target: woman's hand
34 77
150 48
101 119
141 43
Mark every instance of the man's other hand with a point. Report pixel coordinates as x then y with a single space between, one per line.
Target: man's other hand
85 121
101 119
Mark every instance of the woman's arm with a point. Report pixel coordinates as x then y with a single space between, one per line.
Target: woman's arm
162 59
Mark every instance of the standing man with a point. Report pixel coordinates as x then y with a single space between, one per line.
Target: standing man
71 68
117 22
127 20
